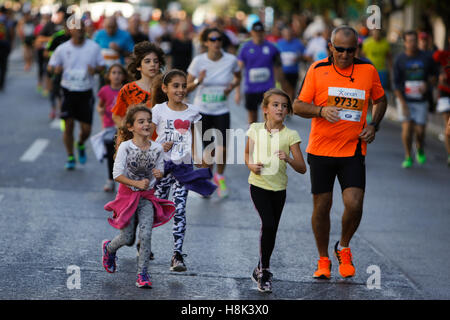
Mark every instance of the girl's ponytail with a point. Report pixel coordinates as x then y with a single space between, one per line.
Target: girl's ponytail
158 95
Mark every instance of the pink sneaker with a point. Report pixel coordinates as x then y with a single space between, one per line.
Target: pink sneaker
109 259
143 280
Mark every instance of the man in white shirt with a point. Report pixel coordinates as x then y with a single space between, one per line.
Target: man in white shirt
316 49
78 60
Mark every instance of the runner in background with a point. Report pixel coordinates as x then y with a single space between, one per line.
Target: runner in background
78 60
55 95
25 29
214 74
116 44
42 60
6 39
413 71
292 50
261 61
443 105
377 49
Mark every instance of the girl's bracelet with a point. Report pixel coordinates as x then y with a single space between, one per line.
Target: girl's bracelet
320 112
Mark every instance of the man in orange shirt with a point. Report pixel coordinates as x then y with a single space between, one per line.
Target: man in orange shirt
336 93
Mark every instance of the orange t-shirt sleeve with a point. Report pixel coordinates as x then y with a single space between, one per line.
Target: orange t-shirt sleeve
121 105
377 88
308 89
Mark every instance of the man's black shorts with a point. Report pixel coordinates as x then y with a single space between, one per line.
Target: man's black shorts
78 105
253 100
351 172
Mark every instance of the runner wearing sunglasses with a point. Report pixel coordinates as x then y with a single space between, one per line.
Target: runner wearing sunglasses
335 94
214 74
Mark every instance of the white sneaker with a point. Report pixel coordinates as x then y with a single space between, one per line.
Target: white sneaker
109 186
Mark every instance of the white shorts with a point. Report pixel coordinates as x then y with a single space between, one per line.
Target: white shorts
443 105
418 112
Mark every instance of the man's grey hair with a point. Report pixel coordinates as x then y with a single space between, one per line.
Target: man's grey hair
348 31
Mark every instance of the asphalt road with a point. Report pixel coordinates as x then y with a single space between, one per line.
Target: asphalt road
52 223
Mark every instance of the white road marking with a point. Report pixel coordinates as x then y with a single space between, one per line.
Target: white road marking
35 150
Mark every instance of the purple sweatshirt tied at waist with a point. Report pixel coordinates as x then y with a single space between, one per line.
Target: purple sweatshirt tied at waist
197 180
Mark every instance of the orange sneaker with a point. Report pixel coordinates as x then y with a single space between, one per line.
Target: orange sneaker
323 268
344 256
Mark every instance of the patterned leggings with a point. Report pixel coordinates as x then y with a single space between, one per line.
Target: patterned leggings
162 190
143 218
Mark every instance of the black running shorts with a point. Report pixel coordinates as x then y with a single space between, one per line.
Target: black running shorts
78 105
351 172
220 122
253 101
292 78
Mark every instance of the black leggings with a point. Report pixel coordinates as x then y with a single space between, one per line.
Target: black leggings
110 150
269 205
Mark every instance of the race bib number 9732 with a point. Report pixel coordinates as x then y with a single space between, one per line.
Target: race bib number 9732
349 100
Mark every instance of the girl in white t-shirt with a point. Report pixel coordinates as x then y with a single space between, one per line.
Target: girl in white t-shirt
267 154
174 123
214 74
137 167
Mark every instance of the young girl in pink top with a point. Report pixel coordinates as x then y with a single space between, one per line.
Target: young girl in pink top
116 77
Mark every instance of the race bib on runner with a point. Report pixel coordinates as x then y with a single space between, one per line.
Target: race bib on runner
350 101
413 89
78 80
288 58
110 56
259 75
213 97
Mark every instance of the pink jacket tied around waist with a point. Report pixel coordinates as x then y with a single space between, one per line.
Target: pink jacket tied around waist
126 203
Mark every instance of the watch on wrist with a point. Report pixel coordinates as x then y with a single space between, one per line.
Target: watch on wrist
375 125
196 81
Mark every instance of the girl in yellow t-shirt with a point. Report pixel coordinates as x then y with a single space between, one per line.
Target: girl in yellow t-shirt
267 154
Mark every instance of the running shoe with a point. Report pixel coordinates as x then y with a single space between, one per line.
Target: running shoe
265 281
420 157
323 269
138 247
255 275
70 164
143 280
177 262
109 186
344 256
81 153
222 190
108 259
407 163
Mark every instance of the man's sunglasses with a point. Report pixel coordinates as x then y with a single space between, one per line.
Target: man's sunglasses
214 39
342 49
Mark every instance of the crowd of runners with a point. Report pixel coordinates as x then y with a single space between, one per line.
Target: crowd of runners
152 83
